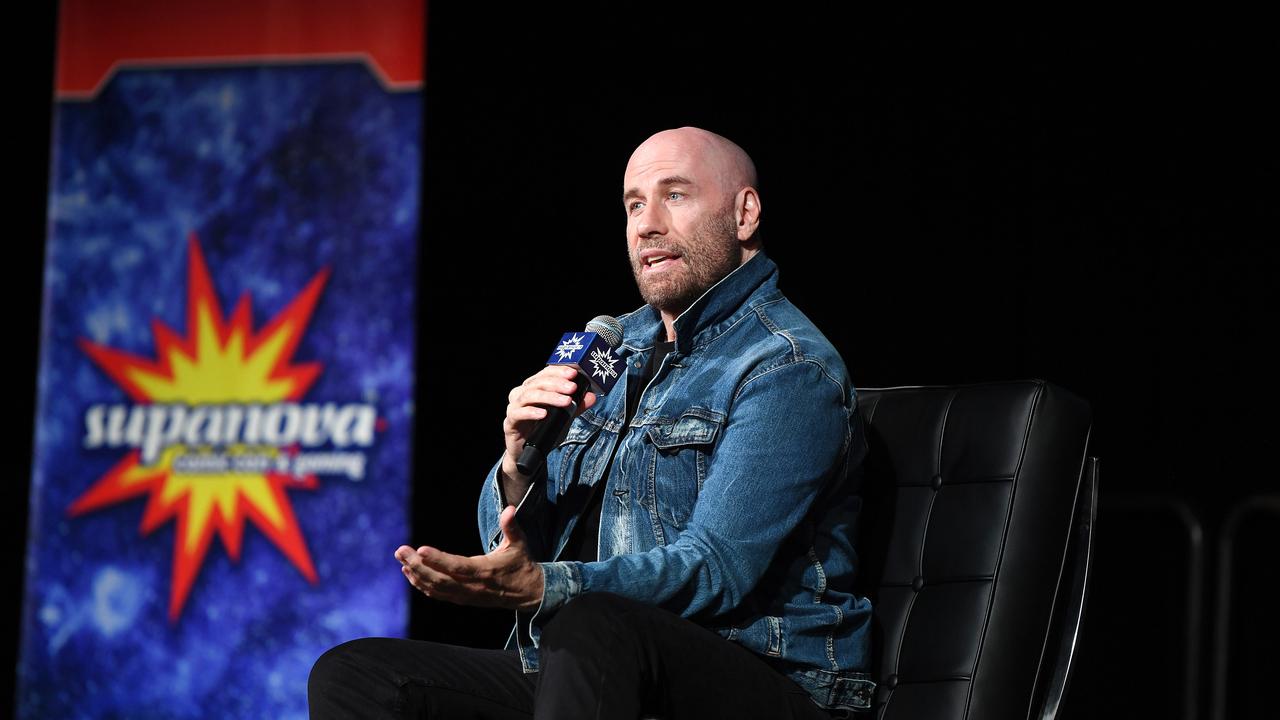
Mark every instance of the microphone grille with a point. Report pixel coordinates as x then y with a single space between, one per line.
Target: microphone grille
608 328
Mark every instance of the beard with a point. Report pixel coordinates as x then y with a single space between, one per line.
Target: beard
711 252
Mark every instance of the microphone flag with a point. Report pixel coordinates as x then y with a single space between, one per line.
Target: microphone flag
593 357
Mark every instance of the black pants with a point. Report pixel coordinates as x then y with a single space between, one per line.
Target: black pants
602 656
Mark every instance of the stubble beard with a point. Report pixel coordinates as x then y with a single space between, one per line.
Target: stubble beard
711 252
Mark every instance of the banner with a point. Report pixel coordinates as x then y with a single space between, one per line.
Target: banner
225 391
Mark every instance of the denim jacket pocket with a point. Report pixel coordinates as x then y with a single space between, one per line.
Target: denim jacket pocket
677 465
577 443
765 636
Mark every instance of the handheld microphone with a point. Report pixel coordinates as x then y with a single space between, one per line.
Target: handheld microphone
591 352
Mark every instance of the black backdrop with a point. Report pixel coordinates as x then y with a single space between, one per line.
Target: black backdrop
950 199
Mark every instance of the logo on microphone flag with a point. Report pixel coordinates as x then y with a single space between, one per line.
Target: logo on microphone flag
591 355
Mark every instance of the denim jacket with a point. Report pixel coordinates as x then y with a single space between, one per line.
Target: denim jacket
732 496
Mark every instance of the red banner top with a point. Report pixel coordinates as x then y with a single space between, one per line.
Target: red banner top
95 38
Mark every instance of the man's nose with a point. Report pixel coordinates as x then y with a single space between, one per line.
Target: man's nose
652 220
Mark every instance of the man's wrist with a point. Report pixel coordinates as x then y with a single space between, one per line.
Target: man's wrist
537 588
513 485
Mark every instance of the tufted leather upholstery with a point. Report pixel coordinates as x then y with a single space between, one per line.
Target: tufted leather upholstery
969 496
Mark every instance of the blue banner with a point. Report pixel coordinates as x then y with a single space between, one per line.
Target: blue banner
225 393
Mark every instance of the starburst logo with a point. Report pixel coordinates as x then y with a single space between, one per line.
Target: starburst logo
602 364
215 429
567 348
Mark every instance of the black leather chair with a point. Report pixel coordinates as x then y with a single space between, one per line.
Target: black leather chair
974 545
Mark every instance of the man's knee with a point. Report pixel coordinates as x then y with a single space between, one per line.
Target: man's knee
355 663
336 663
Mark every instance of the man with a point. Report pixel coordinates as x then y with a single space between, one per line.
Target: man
687 550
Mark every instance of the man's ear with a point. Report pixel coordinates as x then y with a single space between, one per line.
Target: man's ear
746 213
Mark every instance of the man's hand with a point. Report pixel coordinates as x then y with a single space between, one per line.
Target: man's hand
552 386
506 577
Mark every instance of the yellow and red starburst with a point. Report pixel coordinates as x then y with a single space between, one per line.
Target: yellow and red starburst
219 361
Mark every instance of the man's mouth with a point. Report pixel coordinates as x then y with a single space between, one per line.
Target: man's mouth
656 259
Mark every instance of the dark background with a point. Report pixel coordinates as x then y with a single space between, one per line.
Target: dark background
951 200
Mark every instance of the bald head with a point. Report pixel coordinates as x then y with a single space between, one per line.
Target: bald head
727 165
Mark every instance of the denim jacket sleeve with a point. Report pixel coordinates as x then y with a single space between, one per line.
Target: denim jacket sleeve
787 435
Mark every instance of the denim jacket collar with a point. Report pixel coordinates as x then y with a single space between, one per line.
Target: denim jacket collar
715 310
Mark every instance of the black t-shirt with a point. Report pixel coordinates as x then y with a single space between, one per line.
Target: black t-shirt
584 543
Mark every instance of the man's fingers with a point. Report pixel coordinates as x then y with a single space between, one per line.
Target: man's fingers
438 585
416 561
516 413
554 378
424 576
545 397
455 566
450 591
432 576
564 371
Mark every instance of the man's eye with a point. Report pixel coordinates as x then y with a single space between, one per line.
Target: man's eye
675 195
635 205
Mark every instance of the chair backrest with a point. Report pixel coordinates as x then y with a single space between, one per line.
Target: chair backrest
970 503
